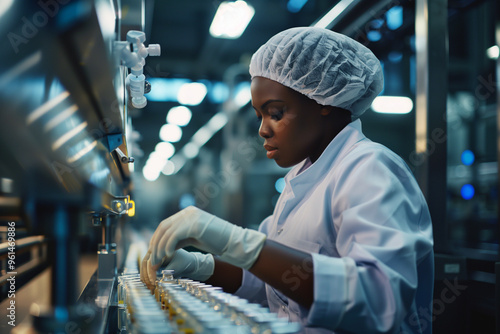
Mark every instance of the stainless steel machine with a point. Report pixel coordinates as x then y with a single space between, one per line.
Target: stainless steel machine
64 167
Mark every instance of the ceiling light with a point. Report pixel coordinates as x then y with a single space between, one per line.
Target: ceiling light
202 136
150 173
493 52
157 160
329 18
5 5
217 122
192 93
179 116
171 133
169 168
190 150
165 149
392 104
231 19
243 94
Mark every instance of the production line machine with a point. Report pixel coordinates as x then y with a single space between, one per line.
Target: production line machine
71 72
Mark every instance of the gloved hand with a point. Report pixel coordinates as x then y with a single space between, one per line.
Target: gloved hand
192 226
193 265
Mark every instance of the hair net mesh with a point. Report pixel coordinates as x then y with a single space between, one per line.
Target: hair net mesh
328 67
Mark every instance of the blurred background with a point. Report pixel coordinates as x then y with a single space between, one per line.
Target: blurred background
87 171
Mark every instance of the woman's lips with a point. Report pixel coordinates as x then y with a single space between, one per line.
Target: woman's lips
271 151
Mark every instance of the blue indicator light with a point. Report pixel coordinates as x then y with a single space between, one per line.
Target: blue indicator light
374 35
186 200
468 157
394 17
467 191
280 185
295 6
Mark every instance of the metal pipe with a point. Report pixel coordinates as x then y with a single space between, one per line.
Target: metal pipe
23 243
431 32
64 259
10 207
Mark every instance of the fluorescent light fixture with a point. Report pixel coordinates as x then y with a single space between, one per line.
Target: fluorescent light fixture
156 159
179 162
243 94
327 20
392 104
192 93
180 116
190 150
150 173
231 19
493 52
169 168
202 136
165 149
217 122
5 5
171 133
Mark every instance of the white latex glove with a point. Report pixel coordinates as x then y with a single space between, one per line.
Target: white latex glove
193 265
192 226
144 269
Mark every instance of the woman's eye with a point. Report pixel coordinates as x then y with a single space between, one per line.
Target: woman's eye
277 115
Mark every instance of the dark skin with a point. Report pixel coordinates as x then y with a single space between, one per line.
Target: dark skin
294 128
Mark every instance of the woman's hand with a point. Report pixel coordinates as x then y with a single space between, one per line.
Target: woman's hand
195 227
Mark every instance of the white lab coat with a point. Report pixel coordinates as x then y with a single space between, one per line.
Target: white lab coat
360 212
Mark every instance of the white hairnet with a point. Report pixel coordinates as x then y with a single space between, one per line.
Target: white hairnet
328 67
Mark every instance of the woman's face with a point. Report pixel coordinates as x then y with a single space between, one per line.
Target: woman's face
292 125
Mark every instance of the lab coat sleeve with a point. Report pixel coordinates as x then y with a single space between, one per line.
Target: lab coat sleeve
252 288
383 231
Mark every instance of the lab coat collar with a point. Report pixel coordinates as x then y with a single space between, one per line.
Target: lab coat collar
301 174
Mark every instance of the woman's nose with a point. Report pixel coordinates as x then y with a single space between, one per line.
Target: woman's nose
264 130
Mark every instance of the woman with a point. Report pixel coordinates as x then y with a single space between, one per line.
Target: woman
349 245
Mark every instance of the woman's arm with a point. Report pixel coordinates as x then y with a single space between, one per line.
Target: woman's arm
288 270
284 268
227 276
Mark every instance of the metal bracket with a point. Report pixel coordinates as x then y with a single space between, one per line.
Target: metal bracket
123 158
107 261
117 205
112 205
113 141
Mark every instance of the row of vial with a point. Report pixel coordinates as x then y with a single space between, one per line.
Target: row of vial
184 306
